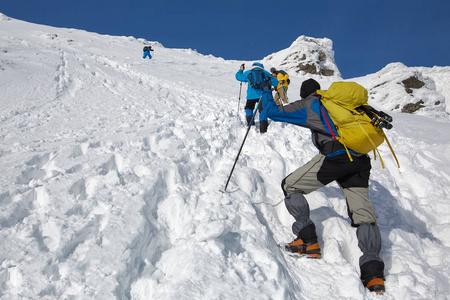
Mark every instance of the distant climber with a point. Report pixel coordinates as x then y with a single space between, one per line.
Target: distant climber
147 50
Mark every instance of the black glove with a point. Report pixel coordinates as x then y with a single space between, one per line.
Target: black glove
243 67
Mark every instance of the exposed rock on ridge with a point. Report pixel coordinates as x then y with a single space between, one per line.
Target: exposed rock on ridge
306 55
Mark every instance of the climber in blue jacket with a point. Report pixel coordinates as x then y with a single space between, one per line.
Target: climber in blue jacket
255 77
147 50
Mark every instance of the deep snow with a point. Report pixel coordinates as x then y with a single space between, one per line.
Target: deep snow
112 168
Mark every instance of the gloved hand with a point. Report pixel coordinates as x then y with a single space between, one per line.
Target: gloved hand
243 67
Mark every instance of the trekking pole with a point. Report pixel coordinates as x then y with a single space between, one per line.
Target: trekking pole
239 101
240 89
242 145
282 86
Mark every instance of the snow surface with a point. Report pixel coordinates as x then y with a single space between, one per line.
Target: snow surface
112 168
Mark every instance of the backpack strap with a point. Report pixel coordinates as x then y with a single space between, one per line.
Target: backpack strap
376 148
332 133
328 123
392 150
373 144
252 77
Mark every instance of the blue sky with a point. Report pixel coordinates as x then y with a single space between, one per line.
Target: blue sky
367 35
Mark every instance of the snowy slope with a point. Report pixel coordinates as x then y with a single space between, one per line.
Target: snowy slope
112 168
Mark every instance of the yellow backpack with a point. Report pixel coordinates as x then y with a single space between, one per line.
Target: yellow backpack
360 127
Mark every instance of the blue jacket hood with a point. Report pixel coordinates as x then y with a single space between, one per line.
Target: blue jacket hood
256 64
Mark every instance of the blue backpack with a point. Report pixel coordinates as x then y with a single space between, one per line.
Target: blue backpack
256 78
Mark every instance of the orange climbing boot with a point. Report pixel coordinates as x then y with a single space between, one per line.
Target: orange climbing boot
309 249
375 285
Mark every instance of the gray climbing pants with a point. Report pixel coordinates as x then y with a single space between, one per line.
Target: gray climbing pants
353 179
